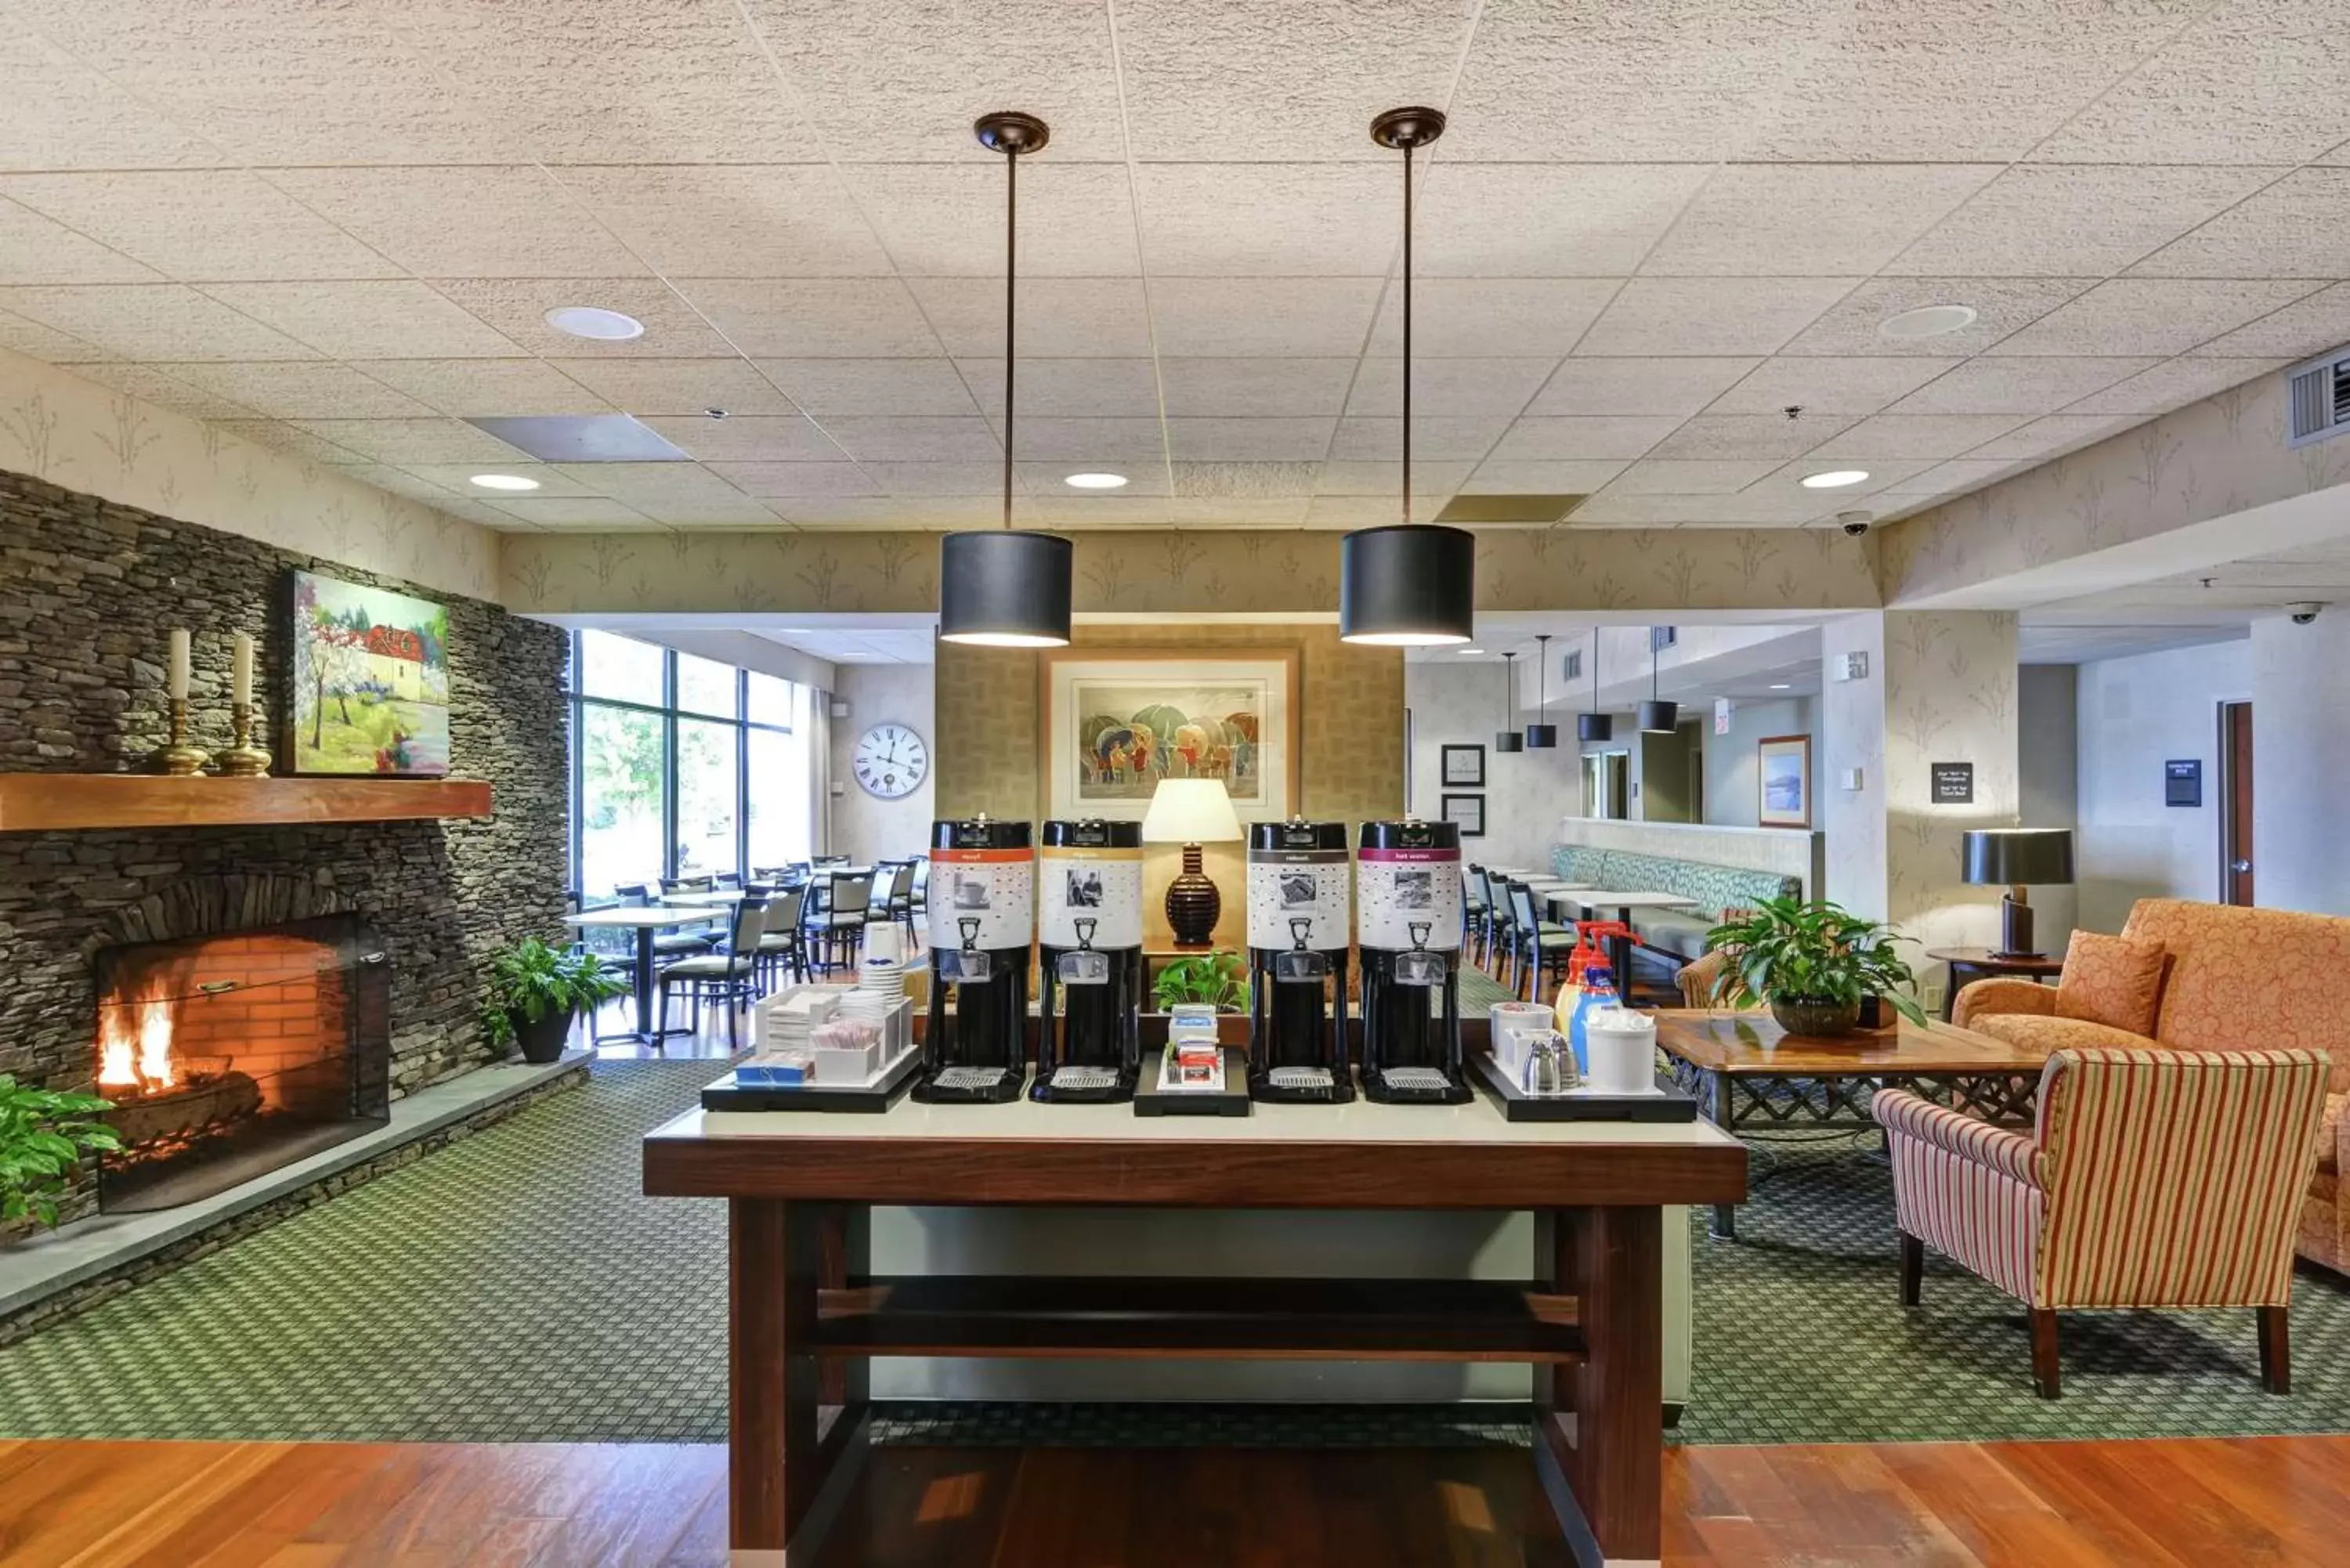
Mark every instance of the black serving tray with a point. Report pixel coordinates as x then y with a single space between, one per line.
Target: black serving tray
1576 1105
726 1095
1231 1100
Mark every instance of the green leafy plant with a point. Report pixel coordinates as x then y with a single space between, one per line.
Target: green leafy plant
1791 950
530 978
43 1135
1217 978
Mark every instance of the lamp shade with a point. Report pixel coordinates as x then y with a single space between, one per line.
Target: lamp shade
1594 726
1509 741
1005 587
1409 585
2018 856
1191 811
1658 717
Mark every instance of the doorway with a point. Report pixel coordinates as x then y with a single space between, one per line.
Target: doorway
2236 803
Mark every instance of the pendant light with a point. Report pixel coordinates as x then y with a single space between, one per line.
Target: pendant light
1509 740
1542 736
1594 725
1409 584
1006 587
1658 716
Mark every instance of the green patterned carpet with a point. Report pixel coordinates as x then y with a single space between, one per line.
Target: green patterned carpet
515 1287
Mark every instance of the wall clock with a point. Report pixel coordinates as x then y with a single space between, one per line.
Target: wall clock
890 762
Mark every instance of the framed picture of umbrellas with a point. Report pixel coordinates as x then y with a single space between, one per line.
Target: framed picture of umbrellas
1117 723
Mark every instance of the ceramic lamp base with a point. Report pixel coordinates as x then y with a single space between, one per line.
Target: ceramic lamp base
1193 905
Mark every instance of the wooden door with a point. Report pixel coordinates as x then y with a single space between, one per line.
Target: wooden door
2236 804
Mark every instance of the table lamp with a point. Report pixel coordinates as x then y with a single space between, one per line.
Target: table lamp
2013 857
1191 812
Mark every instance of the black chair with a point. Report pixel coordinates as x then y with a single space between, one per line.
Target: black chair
841 925
727 879
1501 930
1476 900
783 945
893 899
731 977
666 944
919 907
616 953
1544 946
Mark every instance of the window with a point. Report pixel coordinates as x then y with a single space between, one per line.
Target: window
682 766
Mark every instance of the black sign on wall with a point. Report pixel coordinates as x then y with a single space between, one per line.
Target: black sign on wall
2182 782
1954 783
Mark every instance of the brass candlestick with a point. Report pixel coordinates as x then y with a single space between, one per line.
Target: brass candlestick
243 760
179 757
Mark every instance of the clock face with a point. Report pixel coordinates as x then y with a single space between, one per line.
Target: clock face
890 761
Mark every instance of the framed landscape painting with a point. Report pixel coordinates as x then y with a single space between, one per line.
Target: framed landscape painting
1118 721
371 682
1786 781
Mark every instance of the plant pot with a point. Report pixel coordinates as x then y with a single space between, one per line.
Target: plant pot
542 1040
1815 1015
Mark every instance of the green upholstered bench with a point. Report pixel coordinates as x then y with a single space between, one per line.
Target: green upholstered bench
1678 932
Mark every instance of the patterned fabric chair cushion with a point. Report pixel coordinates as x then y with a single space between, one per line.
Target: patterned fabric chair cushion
2112 980
2279 972
2330 1134
2001 994
2038 1033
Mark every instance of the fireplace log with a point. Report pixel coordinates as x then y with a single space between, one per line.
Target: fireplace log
181 1112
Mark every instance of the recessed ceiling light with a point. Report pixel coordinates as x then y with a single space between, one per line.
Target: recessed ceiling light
1927 321
1835 478
1096 482
503 481
1466 653
595 322
1782 686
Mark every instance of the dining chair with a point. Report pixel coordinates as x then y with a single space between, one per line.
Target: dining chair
727 879
1474 909
685 885
1501 930
615 952
846 900
893 903
783 944
919 906
729 977
683 943
1544 946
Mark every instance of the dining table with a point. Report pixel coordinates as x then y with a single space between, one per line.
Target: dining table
1623 902
647 921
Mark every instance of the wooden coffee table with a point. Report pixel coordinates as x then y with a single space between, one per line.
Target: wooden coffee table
1747 1073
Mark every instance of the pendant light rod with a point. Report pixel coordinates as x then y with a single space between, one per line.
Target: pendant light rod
1407 332
1010 308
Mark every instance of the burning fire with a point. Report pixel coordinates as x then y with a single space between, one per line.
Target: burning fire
142 1064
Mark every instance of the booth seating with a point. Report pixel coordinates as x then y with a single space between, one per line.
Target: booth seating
1677 932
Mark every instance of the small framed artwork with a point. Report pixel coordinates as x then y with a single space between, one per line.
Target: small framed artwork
1464 767
1468 811
1785 772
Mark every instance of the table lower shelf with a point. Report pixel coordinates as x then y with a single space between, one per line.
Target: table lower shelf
1223 1319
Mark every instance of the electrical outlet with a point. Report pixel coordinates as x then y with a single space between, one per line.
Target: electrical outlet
1929 997
1850 778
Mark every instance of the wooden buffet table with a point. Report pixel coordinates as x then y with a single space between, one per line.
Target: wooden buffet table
806 1316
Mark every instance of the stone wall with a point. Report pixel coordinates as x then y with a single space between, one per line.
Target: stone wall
88 590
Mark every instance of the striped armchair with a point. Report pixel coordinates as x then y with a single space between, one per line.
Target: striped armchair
2154 1179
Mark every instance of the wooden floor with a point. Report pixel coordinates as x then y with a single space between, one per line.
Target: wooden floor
2267 1500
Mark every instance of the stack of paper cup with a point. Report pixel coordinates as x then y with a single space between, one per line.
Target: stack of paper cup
1622 1044
1514 1024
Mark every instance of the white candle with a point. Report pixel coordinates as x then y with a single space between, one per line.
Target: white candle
241 670
179 688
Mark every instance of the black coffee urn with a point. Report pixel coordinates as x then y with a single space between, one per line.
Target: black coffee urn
981 918
1300 879
1407 913
1089 961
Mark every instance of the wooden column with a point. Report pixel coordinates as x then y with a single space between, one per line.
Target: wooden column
1601 1422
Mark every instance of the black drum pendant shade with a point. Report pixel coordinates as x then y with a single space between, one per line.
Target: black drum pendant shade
1658 717
1509 740
1008 588
1594 726
1542 736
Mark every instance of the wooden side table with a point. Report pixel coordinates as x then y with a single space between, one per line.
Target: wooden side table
1979 962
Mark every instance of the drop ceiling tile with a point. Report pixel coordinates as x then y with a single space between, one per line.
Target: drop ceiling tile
1448 386
1251 440
771 480
1262 317
1785 483
2174 384
1240 512
1546 220
399 482
827 387
2152 316
478 222
1358 476
2312 325
650 485
1370 511
456 477
1060 318
2294 228
932 479
1689 476
843 317
886 438
2014 384
2002 306
946 219
572 511
1493 317
162 386
1269 219
891 512
1668 315
1537 477
1810 220
1956 475
2059 220
769 220
22 336
1642 386
201 226
281 437
2045 437
301 390
406 442
649 387
1367 439
1243 388
1112 387
151 321
1914 436
1582 437
748 438
1753 437
1696 511
58 113
1828 384
33 249
483 388
1091 442
379 320
1226 480
729 508
516 307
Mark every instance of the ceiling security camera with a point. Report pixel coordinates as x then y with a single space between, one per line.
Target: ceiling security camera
2302 614
1853 523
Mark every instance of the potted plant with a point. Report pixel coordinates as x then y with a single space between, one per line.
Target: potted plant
536 991
43 1135
1813 964
1216 978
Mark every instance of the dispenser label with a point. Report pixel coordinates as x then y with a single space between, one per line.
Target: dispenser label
1104 886
1291 885
994 888
1408 897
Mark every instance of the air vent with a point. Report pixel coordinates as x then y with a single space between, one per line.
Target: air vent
1519 509
2321 399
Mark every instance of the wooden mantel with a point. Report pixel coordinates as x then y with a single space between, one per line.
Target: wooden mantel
50 802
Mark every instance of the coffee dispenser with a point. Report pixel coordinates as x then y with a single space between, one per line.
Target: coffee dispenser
1407 922
1089 961
982 916
1299 880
